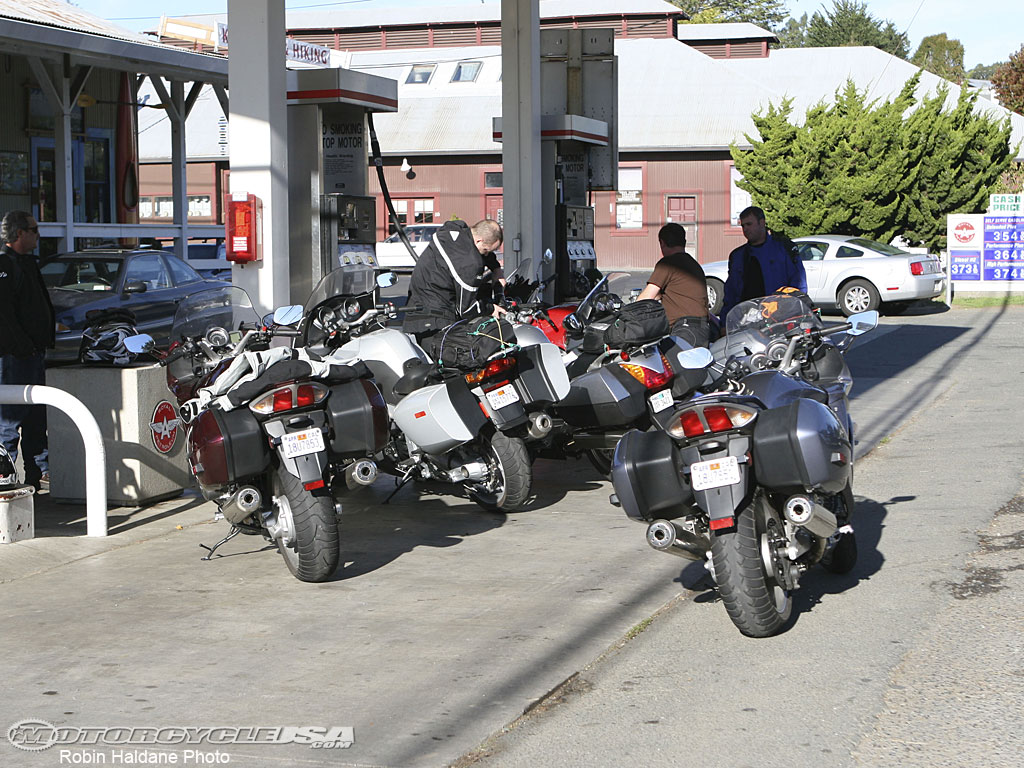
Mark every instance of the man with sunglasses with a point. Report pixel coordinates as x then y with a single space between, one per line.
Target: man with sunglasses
26 330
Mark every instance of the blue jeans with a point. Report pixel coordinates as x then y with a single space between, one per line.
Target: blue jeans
29 419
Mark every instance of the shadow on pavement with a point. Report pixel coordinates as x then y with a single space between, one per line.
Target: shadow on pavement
59 519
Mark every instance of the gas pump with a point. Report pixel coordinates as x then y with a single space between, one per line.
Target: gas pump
575 258
348 232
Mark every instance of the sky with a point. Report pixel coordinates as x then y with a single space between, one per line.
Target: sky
990 30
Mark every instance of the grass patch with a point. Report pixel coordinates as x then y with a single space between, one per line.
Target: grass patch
637 629
995 300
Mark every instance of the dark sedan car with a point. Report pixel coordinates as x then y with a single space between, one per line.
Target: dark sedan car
147 283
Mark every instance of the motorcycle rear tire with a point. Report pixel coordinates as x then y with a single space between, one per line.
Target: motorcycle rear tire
601 459
509 457
316 553
757 601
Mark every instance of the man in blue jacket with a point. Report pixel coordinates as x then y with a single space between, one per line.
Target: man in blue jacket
766 263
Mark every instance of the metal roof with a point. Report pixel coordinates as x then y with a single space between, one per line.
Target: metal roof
810 75
741 30
50 29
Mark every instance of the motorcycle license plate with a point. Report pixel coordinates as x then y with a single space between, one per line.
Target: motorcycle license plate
660 400
714 473
301 443
502 396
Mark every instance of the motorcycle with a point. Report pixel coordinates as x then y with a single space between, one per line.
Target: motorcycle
459 424
271 428
753 473
615 387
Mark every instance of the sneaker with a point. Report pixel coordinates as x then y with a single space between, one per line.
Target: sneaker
44 481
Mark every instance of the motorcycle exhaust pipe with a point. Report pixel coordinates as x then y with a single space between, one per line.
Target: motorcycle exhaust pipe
666 536
540 426
802 511
241 504
360 473
475 471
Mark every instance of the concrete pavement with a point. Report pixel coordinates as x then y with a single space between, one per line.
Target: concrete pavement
446 623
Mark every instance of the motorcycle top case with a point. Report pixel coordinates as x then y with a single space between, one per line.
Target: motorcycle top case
226 447
605 397
441 416
801 447
641 322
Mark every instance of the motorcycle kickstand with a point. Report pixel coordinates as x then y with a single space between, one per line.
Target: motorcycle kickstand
399 484
234 532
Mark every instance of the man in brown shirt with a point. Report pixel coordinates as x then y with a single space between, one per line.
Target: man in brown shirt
679 283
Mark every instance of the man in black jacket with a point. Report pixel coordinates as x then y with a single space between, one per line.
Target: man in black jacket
447 276
26 330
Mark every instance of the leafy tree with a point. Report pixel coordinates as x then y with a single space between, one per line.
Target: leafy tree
983 71
765 13
1012 180
849 23
941 56
874 169
1008 81
793 33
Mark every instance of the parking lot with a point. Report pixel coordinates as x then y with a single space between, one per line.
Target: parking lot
445 624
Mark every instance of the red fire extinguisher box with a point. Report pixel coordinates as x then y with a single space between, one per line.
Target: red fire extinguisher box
244 228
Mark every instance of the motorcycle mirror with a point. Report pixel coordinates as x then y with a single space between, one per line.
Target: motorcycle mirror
289 315
386 279
572 323
695 359
862 322
139 343
548 256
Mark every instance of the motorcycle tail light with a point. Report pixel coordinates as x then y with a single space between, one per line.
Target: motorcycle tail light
288 397
710 419
917 267
651 379
498 367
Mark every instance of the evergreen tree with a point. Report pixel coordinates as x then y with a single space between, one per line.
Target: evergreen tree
764 13
941 56
849 23
874 169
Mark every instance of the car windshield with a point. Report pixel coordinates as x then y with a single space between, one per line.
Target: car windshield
771 316
888 250
224 307
81 273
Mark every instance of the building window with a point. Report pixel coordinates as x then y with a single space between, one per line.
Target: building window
413 211
199 206
629 203
739 199
420 73
493 180
466 72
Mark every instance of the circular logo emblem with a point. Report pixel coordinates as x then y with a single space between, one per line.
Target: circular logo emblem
32 735
164 425
964 232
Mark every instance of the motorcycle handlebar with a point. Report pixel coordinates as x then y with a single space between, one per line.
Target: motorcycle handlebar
172 356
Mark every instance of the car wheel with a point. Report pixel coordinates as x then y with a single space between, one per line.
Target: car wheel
857 296
716 295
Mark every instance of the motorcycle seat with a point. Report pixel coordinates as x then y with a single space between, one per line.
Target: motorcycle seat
416 375
815 394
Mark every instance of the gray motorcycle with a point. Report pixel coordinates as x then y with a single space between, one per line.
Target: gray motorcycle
753 475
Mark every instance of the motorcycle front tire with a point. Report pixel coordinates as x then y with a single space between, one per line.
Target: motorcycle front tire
753 593
316 551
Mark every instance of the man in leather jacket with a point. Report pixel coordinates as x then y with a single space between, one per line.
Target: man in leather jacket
26 330
766 263
447 277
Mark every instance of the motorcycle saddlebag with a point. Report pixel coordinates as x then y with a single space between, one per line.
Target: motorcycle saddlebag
606 397
359 419
801 447
467 344
647 477
227 446
638 323
542 377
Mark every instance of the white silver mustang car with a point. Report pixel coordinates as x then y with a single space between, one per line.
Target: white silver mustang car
853 274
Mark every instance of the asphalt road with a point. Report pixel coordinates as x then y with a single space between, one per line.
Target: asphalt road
445 624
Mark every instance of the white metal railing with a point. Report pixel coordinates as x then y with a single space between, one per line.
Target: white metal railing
95 453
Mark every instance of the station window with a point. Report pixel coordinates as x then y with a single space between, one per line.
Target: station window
420 73
629 199
466 71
